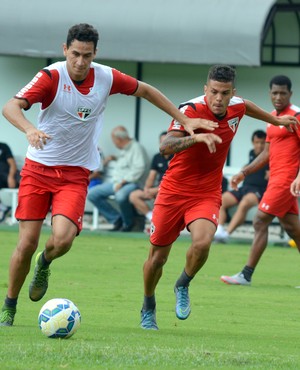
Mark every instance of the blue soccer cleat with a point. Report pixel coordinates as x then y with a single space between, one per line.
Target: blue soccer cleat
148 320
183 308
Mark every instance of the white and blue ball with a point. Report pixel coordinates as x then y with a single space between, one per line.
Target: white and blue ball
59 318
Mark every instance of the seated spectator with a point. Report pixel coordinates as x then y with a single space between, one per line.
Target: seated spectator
247 196
8 175
140 197
129 174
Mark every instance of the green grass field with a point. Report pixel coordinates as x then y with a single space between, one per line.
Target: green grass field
230 327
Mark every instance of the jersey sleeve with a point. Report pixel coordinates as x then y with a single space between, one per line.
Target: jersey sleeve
189 111
40 89
123 84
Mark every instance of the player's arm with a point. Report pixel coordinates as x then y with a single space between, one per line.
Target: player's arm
252 110
259 162
155 97
13 112
177 141
38 90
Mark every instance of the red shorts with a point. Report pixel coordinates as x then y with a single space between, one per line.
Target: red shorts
172 213
278 201
62 189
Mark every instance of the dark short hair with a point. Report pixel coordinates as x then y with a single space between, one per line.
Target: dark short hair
260 134
83 32
281 80
222 73
163 133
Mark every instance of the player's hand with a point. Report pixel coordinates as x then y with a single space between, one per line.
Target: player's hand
37 138
191 124
211 140
287 121
236 179
295 187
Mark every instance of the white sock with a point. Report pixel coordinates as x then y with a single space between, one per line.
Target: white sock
149 215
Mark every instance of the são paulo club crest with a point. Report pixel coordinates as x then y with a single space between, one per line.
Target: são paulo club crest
83 112
233 123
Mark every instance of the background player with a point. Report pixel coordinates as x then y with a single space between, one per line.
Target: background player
282 151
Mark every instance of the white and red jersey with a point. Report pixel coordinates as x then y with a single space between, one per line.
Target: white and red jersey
73 114
195 170
284 150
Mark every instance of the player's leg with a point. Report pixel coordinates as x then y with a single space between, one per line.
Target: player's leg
29 233
59 243
153 267
33 204
68 202
167 222
152 271
261 223
290 223
202 233
248 201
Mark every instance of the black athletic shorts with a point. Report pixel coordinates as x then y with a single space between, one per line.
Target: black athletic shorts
243 190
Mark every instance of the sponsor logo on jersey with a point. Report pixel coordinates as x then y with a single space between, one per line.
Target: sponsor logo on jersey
233 123
83 112
29 85
67 88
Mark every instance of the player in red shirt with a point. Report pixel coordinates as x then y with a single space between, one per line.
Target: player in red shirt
62 151
190 192
282 151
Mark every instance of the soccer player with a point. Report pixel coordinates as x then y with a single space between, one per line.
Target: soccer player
282 151
245 197
190 191
63 150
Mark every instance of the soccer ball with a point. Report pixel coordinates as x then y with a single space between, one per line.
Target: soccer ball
59 318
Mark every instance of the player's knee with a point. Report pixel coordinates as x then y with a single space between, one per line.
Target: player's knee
158 261
201 246
259 224
26 249
62 244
